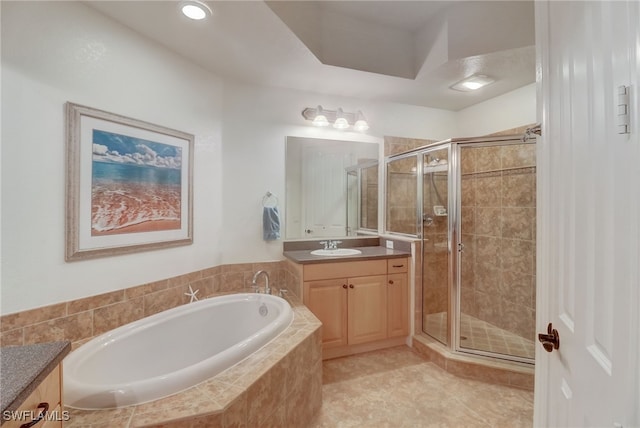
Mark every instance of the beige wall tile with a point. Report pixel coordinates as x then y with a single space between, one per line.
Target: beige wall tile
12 337
92 302
141 290
162 300
32 316
72 328
113 316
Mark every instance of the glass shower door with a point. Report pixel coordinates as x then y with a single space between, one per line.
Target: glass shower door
435 244
496 307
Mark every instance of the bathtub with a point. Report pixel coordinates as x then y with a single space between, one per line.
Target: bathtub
171 351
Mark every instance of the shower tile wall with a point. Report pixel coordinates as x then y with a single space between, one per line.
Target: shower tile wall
401 182
369 192
498 231
395 145
401 196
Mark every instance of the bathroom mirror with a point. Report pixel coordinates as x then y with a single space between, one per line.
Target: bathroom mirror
331 188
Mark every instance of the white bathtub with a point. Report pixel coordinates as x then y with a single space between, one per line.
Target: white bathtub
171 351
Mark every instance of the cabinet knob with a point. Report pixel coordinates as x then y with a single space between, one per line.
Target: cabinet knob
350 285
391 281
344 285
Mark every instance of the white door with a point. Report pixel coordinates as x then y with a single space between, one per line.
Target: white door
324 191
588 214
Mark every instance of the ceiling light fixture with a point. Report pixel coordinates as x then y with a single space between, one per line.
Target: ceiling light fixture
339 118
472 83
194 9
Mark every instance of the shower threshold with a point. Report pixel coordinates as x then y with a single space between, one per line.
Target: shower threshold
480 335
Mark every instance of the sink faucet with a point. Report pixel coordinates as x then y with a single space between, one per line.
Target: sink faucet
334 244
267 290
330 245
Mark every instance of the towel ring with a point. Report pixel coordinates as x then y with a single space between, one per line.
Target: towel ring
269 200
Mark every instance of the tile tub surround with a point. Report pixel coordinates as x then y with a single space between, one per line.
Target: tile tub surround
80 319
279 385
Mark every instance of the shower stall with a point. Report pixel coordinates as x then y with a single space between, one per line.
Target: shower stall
471 204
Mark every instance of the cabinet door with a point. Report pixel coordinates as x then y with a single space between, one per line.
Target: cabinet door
327 299
367 309
397 305
49 392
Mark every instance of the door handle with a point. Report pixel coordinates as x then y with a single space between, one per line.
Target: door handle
551 340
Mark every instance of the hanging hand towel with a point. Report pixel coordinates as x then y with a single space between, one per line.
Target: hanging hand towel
270 223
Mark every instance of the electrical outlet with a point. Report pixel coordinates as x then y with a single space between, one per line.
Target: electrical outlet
390 244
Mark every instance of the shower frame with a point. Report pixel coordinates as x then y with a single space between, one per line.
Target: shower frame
454 244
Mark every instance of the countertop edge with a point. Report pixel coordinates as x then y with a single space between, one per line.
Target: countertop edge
50 362
304 257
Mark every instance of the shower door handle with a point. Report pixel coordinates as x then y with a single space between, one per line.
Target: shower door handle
460 247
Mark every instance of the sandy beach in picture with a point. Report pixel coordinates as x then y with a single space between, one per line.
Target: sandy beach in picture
136 185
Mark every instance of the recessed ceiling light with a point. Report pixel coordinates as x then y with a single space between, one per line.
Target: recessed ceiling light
472 83
194 9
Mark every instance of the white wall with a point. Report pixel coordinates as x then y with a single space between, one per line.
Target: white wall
53 52
511 110
255 123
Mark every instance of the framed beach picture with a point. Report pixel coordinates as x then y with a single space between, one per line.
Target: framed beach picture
128 185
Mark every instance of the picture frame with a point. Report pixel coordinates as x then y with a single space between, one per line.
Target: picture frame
129 185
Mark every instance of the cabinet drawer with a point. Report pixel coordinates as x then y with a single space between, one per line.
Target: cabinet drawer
344 269
397 265
47 392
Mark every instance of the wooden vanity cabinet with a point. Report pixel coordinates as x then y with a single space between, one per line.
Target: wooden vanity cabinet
363 305
327 299
49 392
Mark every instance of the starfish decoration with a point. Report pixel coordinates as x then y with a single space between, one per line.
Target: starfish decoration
192 294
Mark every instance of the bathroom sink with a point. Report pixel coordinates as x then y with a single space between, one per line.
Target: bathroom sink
337 252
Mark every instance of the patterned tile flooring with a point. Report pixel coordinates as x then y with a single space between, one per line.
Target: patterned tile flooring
478 334
397 388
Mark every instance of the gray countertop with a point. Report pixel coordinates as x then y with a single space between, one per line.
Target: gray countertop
368 253
23 368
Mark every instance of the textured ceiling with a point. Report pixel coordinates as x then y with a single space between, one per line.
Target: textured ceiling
397 51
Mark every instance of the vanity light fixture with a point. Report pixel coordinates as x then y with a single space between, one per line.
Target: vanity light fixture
339 118
194 9
473 82
361 123
341 121
319 118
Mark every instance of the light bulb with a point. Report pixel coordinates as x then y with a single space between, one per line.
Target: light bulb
361 124
194 9
341 122
320 119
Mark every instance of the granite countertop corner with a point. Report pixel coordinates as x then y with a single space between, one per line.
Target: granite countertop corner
23 368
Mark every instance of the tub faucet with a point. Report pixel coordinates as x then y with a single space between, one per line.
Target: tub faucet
267 290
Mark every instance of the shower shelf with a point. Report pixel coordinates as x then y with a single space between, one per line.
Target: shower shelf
438 168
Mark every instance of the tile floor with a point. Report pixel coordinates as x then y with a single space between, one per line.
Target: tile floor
478 334
397 388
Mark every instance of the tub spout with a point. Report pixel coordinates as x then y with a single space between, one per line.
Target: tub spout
267 289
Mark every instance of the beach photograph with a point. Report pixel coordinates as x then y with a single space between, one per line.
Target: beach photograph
135 185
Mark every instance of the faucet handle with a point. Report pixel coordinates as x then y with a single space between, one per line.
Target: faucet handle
283 292
326 244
